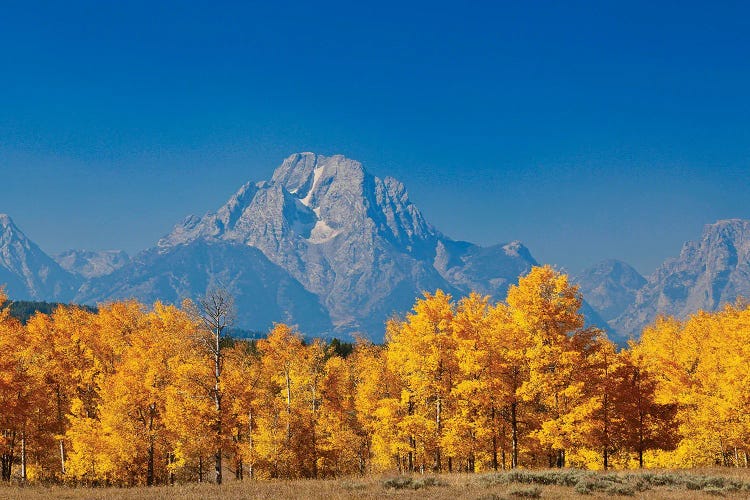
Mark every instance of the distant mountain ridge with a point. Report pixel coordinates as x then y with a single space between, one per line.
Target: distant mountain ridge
28 272
610 287
708 273
327 246
92 264
322 244
353 240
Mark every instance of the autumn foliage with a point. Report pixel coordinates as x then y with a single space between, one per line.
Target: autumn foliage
130 395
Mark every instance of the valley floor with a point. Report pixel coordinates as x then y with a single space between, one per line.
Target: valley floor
557 484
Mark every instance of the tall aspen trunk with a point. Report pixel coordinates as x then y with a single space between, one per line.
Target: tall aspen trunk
640 440
560 462
439 426
61 430
7 458
288 407
514 435
250 442
314 434
200 469
23 456
239 466
494 438
150 470
217 400
170 461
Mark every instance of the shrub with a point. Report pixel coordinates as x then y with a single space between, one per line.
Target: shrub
398 482
427 481
534 492
406 482
353 485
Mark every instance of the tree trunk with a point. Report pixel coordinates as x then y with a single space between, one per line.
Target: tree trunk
61 430
560 463
250 441
640 440
23 456
150 469
439 424
8 457
605 405
200 469
288 407
170 461
217 400
514 434
412 443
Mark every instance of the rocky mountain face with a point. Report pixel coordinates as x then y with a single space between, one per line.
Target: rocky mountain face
27 272
610 287
323 244
92 264
264 292
708 273
354 241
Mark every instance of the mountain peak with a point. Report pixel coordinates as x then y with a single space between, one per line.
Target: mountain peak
302 174
708 273
727 227
27 271
6 221
610 287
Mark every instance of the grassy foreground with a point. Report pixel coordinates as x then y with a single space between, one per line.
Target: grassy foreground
563 484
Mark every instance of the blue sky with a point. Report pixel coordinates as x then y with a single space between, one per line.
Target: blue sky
587 130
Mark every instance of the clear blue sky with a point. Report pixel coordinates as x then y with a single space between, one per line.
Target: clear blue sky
588 130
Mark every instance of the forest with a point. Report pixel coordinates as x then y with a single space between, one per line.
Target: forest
134 395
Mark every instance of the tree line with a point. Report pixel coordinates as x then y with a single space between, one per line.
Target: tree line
129 395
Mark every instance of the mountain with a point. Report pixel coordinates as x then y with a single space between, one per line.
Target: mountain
92 264
264 292
707 274
342 241
27 271
323 244
610 287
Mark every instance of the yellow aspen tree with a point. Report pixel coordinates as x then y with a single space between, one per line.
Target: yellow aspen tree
547 307
422 352
242 377
592 420
18 394
133 401
377 403
60 354
281 427
642 424
93 457
339 439
472 426
507 373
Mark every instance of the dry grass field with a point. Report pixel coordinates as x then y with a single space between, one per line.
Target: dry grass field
557 484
